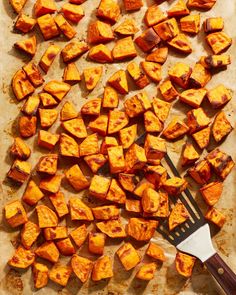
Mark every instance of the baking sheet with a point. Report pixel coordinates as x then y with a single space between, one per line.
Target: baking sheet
167 281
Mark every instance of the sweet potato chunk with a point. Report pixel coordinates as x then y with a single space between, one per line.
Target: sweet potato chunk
59 203
163 209
150 200
47 140
124 49
42 7
79 211
89 145
33 74
129 256
116 193
137 104
142 186
106 212
29 234
180 74
190 155
60 274
127 28
27 126
202 137
75 127
133 205
92 107
22 258
175 129
82 267
40 274
213 24
48 251
112 228
215 61
178 215
20 149
79 235
48 57
99 32
128 181
96 243
190 23
174 185
108 10
155 252
200 172
72 12
48 164
24 23
65 247
68 146
76 178
156 175
58 89
110 98
71 74
181 43
152 70
30 106
17 5
92 77
51 184
167 29
193 97
131 5
32 194
154 15
201 4
73 50
46 217
211 192
48 27
19 171
119 81
168 91
147 40
108 141
221 127
197 120
216 217
68 111
135 158
95 162
141 229
116 159
146 271
55 233
178 9
99 125
47 100
102 269
199 77
47 117
100 53
117 121
128 135
15 214
65 26
184 264
155 148
140 79
219 96
218 42
161 109
152 122
159 55
21 86
99 186
27 46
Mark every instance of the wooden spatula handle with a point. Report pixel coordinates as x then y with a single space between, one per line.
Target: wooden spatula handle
222 273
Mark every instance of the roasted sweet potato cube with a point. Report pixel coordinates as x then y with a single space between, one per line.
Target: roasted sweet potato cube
108 10
163 209
100 53
108 141
15 214
29 234
99 186
215 61
155 148
20 149
142 186
146 271
40 274
33 74
47 26
75 127
219 96
48 164
159 55
135 158
48 251
51 184
19 171
21 86
201 4
119 81
65 247
180 74
27 46
211 192
27 126
116 193
73 50
175 129
161 109
155 252
154 15
218 42
59 203
167 29
99 125
60 274
58 89
178 9
127 28
22 258
202 137
221 163
131 5
96 243
47 139
117 121
133 205
47 100
89 145
48 57
190 23
128 181
72 12
197 120
82 267
140 79
79 235
42 7
199 77
200 172
17 5
124 49
110 98
189 155
46 217
32 193
71 74
128 135
193 97
64 26
156 175
79 210
221 127
152 122
99 32
152 70
92 107
68 146
116 159
213 24
141 229
184 264
174 185
30 106
150 200
181 43
68 111
92 77
215 216
55 233
112 228
106 212
178 215
95 162
137 104
129 256
168 91
76 178
102 269
147 40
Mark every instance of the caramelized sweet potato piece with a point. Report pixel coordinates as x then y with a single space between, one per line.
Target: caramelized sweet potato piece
124 49
108 141
200 172
116 159
47 139
25 23
92 76
64 26
60 274
213 24
82 267
133 205
47 100
112 228
211 192
141 229
152 70
15 214
92 107
221 127
167 29
129 256
142 186
27 126
68 146
184 264
58 89
201 4
47 117
135 158
116 193
215 216
150 200
48 251
21 86
155 148
76 178
180 74
96 243
47 26
99 186
72 12
127 28
110 98
147 40
156 175
119 81
17 5
199 77
27 46
89 145
168 91
154 15
152 122
65 247
29 234
40 274
102 269
163 209
46 217
202 137
174 185
108 10
71 74
128 135
73 50
51 184
106 212
175 129
20 149
117 121
95 162
79 235
19 171
178 9
32 194
79 211
178 215
181 43
193 97
48 57
218 42
48 164
128 181
33 74
219 96
131 5
68 111
161 109
189 155
42 7
140 79
158 55
197 120
59 203
137 104
146 271
75 127
155 252
99 125
30 106
55 233
215 61
99 32
100 53
22 258
190 23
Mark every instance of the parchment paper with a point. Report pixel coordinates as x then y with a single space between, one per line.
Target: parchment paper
167 281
